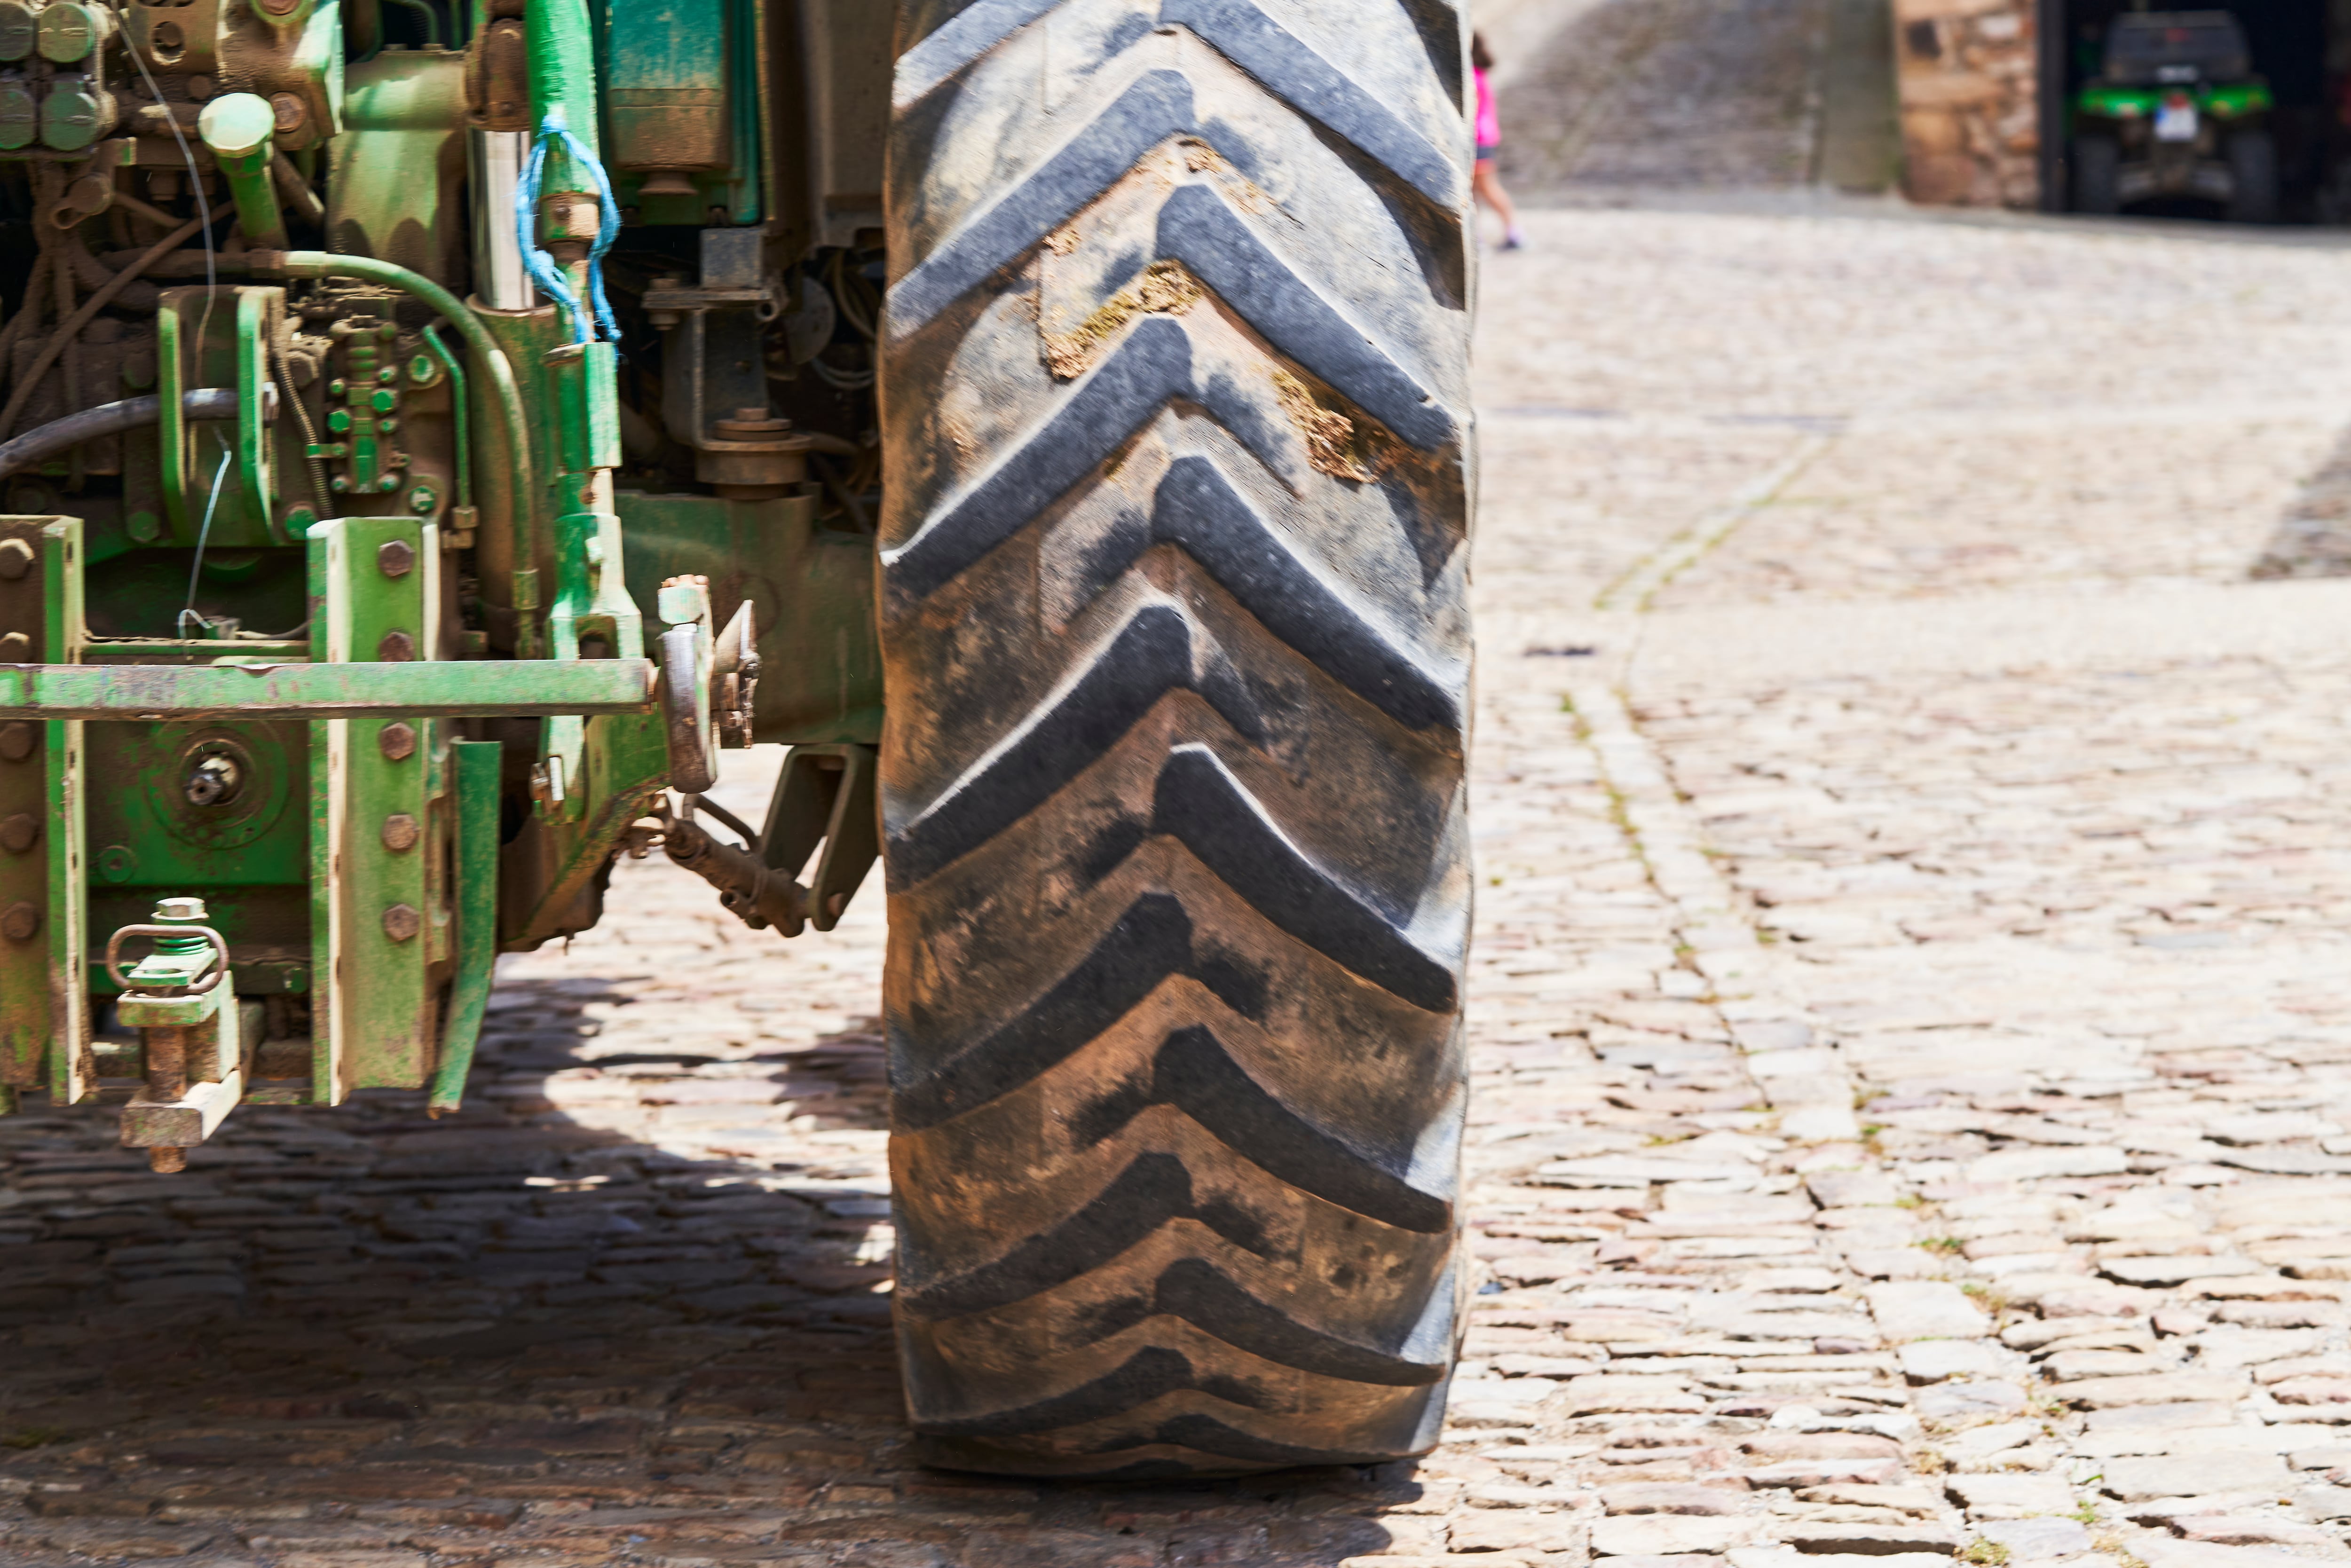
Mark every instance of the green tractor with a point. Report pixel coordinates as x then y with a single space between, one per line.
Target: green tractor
2176 109
433 432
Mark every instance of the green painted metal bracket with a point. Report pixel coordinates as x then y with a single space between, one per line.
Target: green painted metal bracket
249 317
592 601
472 689
331 746
556 865
44 1008
256 323
394 924
171 423
73 1070
477 765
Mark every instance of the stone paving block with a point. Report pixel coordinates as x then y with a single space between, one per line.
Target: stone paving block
1925 1308
2163 1553
2152 1388
2003 1497
2037 1540
1663 1535
2133 1479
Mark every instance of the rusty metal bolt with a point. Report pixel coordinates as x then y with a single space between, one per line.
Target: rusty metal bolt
401 832
21 923
19 834
167 1162
16 742
395 558
401 923
167 1063
290 113
16 559
397 648
397 742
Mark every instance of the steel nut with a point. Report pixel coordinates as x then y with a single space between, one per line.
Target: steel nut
16 559
395 558
397 742
401 832
21 923
16 742
19 834
401 923
397 648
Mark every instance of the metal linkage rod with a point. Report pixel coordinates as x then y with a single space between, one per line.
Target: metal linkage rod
489 688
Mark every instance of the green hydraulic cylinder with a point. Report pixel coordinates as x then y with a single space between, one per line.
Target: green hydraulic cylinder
238 127
563 76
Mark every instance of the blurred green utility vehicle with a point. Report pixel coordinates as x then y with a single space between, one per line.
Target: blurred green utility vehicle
2176 109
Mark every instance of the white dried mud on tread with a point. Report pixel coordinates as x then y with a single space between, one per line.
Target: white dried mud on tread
1176 391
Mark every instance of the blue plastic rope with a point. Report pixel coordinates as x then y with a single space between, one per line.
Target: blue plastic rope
541 265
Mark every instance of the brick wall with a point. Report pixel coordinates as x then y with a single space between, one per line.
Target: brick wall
1970 131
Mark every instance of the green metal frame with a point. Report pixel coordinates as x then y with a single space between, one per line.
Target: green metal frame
381 679
470 689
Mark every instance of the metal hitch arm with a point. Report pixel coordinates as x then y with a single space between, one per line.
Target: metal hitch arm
520 688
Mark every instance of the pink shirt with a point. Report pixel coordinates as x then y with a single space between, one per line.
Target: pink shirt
1489 122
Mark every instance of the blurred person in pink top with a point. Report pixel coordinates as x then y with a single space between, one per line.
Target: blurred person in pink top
1488 180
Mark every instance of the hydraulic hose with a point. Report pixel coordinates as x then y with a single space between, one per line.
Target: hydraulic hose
486 351
44 441
73 324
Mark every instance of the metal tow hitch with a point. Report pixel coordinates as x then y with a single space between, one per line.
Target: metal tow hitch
178 999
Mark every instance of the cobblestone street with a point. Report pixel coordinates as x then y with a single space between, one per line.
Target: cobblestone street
1911 1013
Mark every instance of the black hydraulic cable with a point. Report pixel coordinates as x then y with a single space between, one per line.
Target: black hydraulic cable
44 441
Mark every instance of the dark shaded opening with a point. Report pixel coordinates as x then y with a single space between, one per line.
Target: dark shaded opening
2302 48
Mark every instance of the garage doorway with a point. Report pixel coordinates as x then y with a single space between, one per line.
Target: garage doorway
2301 47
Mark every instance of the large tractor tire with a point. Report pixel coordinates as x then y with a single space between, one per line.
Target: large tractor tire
2097 175
2252 177
1175 408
